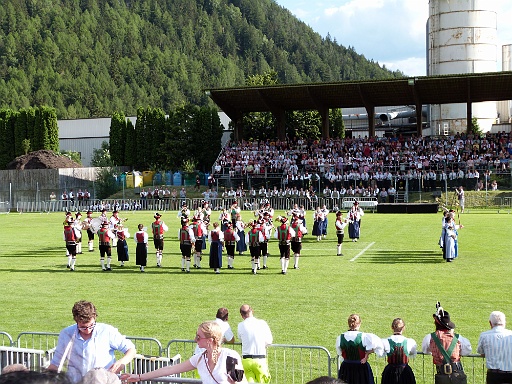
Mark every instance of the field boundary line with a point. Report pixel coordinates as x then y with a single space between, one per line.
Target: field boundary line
362 252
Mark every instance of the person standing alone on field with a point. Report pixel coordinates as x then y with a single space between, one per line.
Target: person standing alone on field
255 336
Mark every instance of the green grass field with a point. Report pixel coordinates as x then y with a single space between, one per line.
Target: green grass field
395 270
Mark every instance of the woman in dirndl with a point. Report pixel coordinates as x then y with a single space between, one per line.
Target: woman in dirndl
398 349
141 252
355 347
122 246
241 245
216 238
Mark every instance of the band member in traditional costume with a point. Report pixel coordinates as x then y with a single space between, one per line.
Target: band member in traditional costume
184 211
103 215
234 210
267 227
354 216
230 239
284 234
187 239
122 246
446 348
104 237
90 233
254 238
114 220
325 223
398 350
207 210
318 222
199 229
70 237
141 252
158 228
241 245
78 225
216 238
355 347
450 244
340 225
224 218
296 241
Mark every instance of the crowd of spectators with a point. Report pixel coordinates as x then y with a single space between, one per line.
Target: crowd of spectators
459 159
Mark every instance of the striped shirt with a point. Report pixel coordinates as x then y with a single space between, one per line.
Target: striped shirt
496 345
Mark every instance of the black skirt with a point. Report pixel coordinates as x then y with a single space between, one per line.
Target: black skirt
398 374
356 373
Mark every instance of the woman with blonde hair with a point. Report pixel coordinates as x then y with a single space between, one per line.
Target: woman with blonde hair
216 365
355 347
398 350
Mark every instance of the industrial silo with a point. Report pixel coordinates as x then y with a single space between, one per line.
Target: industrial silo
505 106
462 38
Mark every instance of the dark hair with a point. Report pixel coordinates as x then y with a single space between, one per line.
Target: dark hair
222 313
32 377
84 311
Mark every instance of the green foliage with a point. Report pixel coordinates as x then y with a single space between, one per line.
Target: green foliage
25 144
475 128
101 156
92 58
336 124
75 156
106 184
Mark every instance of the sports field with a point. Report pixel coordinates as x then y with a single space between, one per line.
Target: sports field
395 270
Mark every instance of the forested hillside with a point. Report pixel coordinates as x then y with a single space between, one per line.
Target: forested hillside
89 58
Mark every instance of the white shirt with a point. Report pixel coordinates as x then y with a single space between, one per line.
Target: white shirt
255 335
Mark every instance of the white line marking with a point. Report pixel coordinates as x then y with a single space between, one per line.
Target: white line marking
362 252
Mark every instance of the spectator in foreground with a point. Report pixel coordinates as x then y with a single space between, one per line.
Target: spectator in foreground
496 346
446 348
88 344
216 365
355 347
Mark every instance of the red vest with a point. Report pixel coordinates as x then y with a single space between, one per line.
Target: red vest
157 228
254 238
184 235
283 234
215 235
229 235
198 231
103 235
69 233
296 226
140 237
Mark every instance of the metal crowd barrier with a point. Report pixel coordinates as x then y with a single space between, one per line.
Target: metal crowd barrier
37 340
144 363
147 345
6 339
33 359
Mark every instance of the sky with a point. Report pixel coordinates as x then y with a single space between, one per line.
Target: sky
390 32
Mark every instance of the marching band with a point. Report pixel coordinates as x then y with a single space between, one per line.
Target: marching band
230 232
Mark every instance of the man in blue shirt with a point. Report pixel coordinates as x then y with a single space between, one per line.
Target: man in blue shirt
87 345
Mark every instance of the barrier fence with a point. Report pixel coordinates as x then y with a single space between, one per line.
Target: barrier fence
480 201
289 364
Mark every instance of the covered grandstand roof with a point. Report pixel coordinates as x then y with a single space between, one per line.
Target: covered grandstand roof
462 88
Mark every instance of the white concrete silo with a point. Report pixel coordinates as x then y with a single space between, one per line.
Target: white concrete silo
505 106
462 38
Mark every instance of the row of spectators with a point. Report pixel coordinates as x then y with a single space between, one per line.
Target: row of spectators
464 153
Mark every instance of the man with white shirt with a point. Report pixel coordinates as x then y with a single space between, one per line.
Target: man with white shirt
255 336
496 346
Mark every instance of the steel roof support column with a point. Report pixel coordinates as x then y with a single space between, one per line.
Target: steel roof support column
324 112
281 123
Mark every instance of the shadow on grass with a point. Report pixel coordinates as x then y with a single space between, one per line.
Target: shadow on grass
401 257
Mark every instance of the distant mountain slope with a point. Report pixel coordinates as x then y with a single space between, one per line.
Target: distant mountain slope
88 58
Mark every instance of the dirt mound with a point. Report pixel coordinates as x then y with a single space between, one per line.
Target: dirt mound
42 159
